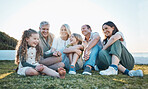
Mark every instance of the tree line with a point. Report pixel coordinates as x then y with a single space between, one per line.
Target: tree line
7 42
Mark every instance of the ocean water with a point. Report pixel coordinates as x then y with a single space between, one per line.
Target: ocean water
7 54
140 58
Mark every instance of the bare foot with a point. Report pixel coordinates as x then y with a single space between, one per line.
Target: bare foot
62 72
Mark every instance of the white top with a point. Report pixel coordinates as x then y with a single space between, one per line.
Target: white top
31 55
122 41
60 44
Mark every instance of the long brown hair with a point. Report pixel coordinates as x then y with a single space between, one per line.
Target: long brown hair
111 24
22 47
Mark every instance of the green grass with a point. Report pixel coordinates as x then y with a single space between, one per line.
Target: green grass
10 80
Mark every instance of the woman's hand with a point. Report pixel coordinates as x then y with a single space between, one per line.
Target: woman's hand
79 52
57 53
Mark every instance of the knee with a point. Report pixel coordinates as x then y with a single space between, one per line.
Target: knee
62 64
35 73
102 54
116 42
44 67
32 72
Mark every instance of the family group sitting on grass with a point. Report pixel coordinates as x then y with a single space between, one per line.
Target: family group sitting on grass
42 53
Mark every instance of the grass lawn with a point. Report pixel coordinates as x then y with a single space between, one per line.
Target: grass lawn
10 80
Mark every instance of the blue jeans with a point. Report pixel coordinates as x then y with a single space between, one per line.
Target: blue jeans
93 56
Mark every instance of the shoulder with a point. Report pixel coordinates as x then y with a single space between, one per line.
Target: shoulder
57 39
94 33
120 33
52 35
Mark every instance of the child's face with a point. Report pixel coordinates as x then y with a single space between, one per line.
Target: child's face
73 40
33 40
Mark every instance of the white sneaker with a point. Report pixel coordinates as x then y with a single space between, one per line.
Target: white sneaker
72 72
109 71
136 73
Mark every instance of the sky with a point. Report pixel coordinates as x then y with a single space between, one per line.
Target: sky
130 16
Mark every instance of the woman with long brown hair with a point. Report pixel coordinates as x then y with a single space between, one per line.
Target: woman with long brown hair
114 56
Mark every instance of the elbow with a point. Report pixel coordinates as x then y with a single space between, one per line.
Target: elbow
97 38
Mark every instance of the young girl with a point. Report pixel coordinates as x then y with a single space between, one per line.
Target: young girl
114 54
74 51
28 55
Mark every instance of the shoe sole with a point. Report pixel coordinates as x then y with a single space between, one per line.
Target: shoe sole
71 72
86 73
102 73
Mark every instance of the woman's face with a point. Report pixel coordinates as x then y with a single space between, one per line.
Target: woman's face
63 32
73 40
107 30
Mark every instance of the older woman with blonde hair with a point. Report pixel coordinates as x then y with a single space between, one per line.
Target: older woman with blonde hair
60 43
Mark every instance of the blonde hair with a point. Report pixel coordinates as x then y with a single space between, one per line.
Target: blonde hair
78 37
67 29
22 47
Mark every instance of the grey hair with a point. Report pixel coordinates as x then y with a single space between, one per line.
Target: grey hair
43 23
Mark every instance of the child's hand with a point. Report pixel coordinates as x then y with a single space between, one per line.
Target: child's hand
39 67
79 52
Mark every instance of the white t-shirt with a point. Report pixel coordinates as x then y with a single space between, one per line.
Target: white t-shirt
122 41
60 44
